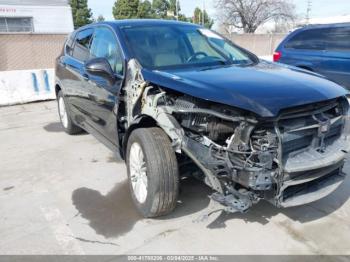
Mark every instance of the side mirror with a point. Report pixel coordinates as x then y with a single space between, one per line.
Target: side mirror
100 67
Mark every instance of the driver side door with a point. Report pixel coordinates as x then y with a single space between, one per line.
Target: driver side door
103 94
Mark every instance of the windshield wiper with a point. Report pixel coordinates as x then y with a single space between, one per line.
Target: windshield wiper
222 64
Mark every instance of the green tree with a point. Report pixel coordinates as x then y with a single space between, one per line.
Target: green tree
100 18
172 7
160 8
183 18
82 14
126 9
198 18
145 10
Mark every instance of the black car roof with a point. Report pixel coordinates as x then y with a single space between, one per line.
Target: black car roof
135 22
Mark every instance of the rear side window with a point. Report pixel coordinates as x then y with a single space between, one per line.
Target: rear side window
339 39
313 39
82 45
104 44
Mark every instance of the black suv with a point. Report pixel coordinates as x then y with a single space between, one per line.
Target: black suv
169 96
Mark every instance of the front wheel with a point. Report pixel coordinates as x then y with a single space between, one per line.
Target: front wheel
152 171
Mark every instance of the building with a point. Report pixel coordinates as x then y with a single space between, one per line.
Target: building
36 16
32 33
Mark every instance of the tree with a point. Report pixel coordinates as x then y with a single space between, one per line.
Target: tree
198 18
125 9
175 9
100 18
145 10
82 14
160 8
250 14
182 17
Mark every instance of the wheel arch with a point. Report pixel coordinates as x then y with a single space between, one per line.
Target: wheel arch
141 121
57 88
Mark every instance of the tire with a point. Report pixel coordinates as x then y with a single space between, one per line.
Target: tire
66 121
160 171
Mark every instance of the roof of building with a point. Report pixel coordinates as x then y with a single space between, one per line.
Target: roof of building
35 2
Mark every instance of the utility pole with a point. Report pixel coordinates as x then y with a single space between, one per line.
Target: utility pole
177 9
308 11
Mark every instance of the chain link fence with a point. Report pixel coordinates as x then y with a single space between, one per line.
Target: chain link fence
37 51
29 51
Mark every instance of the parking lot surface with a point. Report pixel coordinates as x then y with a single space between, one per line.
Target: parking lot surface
64 194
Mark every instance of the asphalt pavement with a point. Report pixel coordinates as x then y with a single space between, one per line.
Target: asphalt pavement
62 194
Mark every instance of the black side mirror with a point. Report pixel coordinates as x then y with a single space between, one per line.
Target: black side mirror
100 67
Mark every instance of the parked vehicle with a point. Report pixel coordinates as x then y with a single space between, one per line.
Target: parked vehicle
169 96
324 49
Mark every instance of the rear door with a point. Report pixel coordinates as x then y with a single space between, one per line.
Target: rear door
103 95
337 56
75 83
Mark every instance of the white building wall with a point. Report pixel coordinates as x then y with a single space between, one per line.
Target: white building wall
46 19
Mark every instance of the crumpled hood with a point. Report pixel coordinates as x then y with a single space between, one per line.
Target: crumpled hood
264 89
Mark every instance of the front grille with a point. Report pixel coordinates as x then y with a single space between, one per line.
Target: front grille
308 187
296 144
300 130
304 141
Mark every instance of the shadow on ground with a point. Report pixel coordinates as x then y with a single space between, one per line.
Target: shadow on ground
54 127
114 214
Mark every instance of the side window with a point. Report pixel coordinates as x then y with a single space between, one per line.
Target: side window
82 44
339 39
312 39
104 44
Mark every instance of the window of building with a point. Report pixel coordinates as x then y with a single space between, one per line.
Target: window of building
16 24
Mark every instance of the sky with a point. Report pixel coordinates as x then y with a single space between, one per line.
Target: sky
320 8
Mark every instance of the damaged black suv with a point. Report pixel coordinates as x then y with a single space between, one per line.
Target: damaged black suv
170 97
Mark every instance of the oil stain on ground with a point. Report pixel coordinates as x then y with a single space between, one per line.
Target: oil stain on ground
114 214
8 188
109 215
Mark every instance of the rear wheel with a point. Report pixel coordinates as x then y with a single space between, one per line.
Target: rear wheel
152 172
66 121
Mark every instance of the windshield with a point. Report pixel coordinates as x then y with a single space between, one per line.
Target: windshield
177 46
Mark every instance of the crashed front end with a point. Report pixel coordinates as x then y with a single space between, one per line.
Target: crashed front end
289 160
292 160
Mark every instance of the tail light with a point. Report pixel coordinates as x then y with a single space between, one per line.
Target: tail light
277 56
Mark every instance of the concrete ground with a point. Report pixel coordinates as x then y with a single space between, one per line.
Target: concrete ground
62 194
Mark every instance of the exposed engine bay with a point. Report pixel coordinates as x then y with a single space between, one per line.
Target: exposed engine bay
290 160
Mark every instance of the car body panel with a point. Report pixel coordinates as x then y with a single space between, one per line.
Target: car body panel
264 89
333 64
